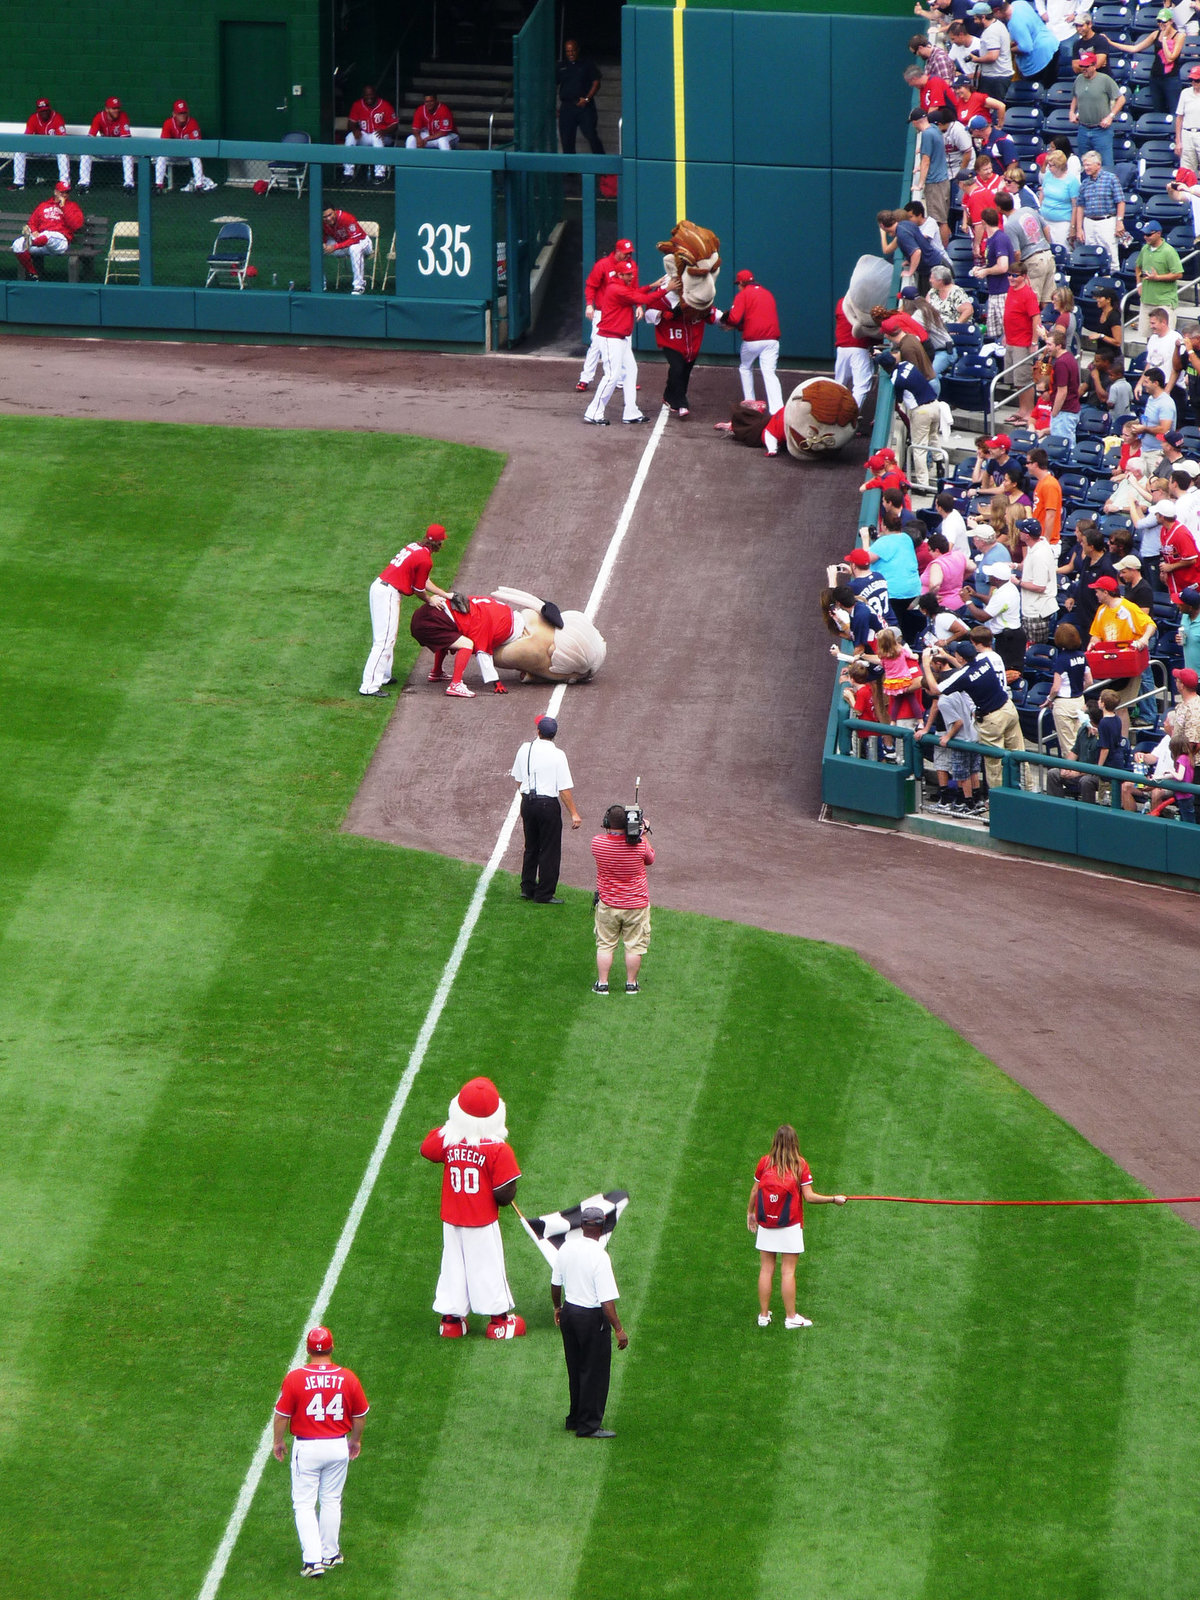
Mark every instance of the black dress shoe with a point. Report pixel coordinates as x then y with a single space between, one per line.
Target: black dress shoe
553 901
600 1433
525 896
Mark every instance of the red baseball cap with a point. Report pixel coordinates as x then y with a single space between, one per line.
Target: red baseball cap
626 269
743 276
1001 439
1106 585
857 558
43 105
623 247
436 532
62 188
181 108
112 103
319 1341
1194 74
1185 174
1087 58
882 458
1187 677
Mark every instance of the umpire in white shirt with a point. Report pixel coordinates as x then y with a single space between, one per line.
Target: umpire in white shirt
584 1293
542 771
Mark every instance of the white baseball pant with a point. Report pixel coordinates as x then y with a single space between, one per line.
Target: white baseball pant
358 253
448 141
472 1276
592 359
1103 231
766 353
318 1474
375 140
20 157
1190 147
199 181
620 367
85 168
853 370
384 602
42 244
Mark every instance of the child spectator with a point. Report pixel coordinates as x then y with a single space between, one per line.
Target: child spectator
862 681
901 679
958 772
1114 749
1064 783
1184 770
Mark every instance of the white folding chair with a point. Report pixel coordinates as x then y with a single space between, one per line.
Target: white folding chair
121 261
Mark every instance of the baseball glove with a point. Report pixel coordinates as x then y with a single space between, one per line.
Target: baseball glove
460 603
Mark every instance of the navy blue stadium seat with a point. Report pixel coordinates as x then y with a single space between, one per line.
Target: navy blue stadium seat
1154 125
967 386
1059 121
1021 93
1168 212
1087 260
1023 441
1022 119
1058 96
1074 487
1058 453
1088 456
1093 423
1191 440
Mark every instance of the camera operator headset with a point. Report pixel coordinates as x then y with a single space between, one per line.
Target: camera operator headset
622 898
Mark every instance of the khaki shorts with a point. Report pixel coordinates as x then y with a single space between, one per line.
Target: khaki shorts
614 923
937 201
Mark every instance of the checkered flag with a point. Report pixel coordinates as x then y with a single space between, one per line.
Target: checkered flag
549 1231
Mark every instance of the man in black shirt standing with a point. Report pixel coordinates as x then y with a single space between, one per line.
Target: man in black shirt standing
578 85
996 719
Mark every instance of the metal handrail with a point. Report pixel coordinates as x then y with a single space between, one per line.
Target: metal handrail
620 138
993 403
491 126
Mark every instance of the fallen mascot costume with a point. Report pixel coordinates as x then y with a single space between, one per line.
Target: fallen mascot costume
479 1174
509 628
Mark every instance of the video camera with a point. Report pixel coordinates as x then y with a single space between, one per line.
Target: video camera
635 823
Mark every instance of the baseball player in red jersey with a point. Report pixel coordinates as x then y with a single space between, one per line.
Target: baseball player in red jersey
756 317
852 356
678 332
181 125
45 120
620 302
433 124
479 1175
408 572
324 1406
342 235
602 272
109 123
372 121
49 230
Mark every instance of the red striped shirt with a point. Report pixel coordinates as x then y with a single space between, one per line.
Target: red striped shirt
621 870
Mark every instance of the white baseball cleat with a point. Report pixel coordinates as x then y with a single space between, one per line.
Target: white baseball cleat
796 1322
461 692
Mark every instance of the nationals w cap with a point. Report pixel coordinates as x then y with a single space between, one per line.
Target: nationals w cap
1087 58
857 558
743 276
62 188
436 532
623 247
181 108
1186 175
43 105
626 269
1186 676
882 458
112 103
319 1341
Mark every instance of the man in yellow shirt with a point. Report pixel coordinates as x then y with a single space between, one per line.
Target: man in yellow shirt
1119 621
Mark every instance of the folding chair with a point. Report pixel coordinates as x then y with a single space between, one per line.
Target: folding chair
231 253
389 266
284 173
121 258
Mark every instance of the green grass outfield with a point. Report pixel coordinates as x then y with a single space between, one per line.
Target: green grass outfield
207 995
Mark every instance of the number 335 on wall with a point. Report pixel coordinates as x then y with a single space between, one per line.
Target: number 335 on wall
444 250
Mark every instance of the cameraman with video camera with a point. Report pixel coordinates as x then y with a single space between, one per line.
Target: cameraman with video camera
622 893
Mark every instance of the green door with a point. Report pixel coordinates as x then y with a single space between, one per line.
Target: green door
255 102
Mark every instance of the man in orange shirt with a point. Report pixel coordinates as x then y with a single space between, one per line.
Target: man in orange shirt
1047 495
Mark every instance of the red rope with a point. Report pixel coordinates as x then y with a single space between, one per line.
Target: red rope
916 1200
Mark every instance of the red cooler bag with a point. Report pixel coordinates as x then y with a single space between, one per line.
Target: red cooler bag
1118 660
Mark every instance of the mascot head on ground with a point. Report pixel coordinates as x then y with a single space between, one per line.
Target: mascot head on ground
819 416
692 261
476 1113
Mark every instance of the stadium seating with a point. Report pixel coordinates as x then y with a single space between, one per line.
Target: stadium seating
1093 423
1023 119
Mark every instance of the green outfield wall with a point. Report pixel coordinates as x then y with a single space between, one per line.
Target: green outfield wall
236 66
871 8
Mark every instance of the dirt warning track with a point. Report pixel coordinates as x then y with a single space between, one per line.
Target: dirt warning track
716 692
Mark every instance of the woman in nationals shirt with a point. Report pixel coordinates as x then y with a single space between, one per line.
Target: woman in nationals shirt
782 1183
479 1175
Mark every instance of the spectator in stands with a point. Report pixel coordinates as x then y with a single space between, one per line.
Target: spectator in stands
1089 42
578 86
1183 767
1109 337
1119 621
1108 387
1114 752
918 396
1180 564
1096 104
373 122
1188 634
894 556
110 122
992 52
991 458
978 198
1031 243
1158 415
1000 149
952 304
433 126
1158 270
956 142
181 125
1100 209
1022 325
1036 576
953 526
863 693
1187 124
1059 16
894 511
1184 717
342 235
1066 317
1047 496
864 624
1071 677
932 93
1166 42
1034 45
1064 401
931 182
932 58
901 679
1087 566
1018 501
870 587
1133 584
1023 196
1067 147
47 122
1165 349
937 625
1002 615
1064 783
994 269
1057 196
936 336
996 720
918 253
944 575
957 772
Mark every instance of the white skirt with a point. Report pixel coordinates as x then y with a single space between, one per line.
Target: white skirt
783 1241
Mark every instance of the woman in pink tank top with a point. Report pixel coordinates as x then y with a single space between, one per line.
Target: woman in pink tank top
944 574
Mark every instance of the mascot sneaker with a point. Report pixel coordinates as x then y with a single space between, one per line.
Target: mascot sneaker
453 1328
509 1327
460 691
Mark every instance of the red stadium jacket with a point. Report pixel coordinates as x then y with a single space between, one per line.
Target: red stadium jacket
678 328
189 130
755 313
844 337
600 274
57 216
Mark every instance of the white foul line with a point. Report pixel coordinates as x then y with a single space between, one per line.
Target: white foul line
262 1451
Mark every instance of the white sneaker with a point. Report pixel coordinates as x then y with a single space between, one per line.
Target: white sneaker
188 188
796 1322
461 692
359 289
764 1319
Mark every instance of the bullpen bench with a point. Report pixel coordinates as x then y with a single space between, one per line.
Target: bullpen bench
89 243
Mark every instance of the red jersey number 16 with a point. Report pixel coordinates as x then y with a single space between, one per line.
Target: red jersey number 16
464 1180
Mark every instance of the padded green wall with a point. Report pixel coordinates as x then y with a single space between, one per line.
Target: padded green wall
873 8
796 127
151 53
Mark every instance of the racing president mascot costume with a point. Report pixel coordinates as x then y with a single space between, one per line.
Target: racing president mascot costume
479 1174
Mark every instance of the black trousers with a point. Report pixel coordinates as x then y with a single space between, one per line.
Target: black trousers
581 119
541 818
587 1345
679 370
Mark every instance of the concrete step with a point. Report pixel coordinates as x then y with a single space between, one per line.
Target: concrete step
440 72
